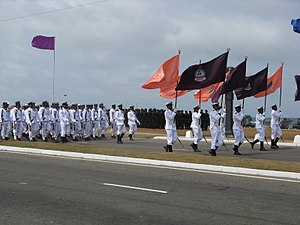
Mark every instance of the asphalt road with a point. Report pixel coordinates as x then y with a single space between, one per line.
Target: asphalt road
50 190
285 153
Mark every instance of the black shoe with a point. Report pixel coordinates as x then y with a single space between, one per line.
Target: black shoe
237 153
213 152
194 147
103 136
166 148
18 139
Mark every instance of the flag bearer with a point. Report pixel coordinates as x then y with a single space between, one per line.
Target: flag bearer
215 118
45 117
275 126
238 130
196 126
259 125
170 127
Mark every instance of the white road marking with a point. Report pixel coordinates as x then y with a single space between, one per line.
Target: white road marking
136 188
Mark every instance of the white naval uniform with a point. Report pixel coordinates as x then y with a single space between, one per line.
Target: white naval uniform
99 124
64 121
103 121
95 122
121 128
31 118
86 120
238 131
275 124
45 118
4 122
132 122
17 118
196 126
112 120
216 132
170 126
259 125
76 124
55 123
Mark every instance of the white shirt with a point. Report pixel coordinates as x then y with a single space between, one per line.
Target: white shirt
275 117
4 115
237 121
112 115
196 119
170 120
132 119
120 117
260 118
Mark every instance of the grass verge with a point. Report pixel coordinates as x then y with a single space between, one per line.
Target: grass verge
176 156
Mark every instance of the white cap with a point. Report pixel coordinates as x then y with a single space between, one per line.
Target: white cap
169 103
261 107
237 106
215 103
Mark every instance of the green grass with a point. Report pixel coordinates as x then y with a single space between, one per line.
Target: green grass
175 156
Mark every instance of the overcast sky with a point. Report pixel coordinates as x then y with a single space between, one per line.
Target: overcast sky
105 51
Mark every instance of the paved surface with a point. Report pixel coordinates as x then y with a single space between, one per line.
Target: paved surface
287 151
39 190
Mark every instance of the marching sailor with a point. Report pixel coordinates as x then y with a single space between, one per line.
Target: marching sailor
196 126
132 122
5 121
238 130
17 117
275 126
217 137
260 128
121 128
170 127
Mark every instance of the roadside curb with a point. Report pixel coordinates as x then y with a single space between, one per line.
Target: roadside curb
171 164
182 138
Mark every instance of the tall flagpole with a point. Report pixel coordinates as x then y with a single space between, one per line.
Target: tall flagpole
53 75
265 103
199 103
177 80
280 90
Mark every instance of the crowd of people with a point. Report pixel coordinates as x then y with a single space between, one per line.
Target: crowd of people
62 122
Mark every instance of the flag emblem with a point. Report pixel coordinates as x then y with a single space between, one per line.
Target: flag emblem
211 90
248 87
200 75
270 85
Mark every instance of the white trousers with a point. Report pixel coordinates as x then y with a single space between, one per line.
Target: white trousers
198 135
121 129
261 133
217 137
276 131
171 136
239 137
18 129
46 128
5 128
132 128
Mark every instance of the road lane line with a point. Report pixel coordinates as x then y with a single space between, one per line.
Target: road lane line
136 188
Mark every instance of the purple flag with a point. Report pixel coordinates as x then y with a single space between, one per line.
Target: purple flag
297 94
236 79
43 42
202 75
253 85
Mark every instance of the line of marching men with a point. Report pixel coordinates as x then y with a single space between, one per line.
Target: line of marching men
62 121
217 128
